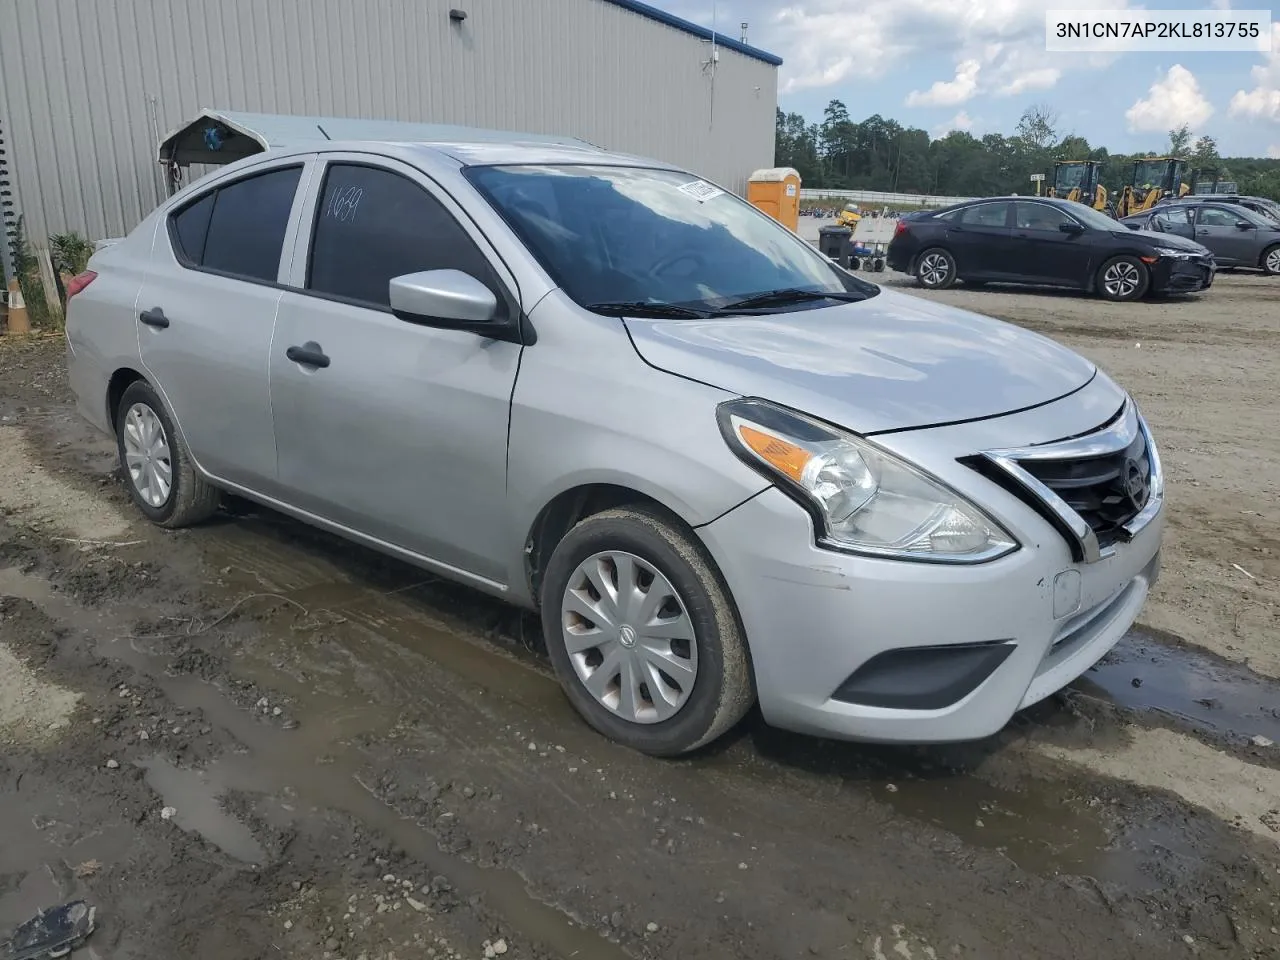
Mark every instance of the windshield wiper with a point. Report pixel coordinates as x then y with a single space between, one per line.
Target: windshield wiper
780 298
646 308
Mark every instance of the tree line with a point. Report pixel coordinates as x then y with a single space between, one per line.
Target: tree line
881 154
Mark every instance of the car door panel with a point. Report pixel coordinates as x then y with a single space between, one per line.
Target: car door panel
402 436
1052 256
205 334
1216 229
982 242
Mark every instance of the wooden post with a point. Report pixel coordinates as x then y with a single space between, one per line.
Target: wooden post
18 322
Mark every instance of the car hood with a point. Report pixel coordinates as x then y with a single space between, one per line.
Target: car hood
1161 239
887 363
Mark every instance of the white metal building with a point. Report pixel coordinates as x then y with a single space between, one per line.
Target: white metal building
88 87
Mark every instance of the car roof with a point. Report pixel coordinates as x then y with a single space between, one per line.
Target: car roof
478 153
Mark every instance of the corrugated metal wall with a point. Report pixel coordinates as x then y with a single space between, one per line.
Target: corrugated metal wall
87 86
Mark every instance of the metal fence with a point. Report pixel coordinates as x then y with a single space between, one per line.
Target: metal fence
876 199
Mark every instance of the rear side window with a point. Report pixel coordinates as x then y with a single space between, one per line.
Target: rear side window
238 229
1174 217
372 225
986 215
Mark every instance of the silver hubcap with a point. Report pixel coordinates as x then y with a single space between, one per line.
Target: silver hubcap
146 455
934 270
1121 279
629 637
1273 261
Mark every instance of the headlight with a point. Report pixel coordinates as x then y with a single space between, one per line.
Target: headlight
865 499
1171 254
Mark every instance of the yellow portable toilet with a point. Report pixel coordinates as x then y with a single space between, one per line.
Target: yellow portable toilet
776 191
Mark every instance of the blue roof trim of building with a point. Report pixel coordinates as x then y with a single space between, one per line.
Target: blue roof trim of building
688 26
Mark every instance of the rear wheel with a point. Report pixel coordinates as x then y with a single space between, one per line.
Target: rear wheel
1123 278
643 635
1270 261
936 269
161 478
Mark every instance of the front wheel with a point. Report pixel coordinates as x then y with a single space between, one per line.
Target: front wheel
936 269
1271 261
1123 278
643 635
157 467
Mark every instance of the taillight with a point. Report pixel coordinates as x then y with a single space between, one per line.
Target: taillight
900 228
79 282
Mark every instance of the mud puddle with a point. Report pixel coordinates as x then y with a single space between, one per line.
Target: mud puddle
280 760
1226 699
194 796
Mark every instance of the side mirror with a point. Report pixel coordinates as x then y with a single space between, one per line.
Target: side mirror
443 298
1244 225
1071 227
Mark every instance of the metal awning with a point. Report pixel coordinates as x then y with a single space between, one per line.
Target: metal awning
220 136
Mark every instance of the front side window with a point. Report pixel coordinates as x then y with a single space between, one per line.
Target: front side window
1039 216
612 235
373 225
1218 217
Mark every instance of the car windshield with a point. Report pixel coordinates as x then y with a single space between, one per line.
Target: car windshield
1095 219
634 236
1257 219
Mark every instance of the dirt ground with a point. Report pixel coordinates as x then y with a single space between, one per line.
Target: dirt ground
253 740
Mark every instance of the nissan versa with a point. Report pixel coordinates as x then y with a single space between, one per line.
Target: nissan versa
725 470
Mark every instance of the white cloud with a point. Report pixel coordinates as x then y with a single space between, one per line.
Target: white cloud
1263 101
948 93
823 43
1040 78
1172 101
961 121
1221 4
1273 151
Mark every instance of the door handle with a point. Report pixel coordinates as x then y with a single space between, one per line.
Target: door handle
309 355
154 318
1202 233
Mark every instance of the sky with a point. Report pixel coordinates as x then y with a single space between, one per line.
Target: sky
977 64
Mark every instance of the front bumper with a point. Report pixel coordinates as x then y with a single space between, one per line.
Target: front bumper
816 619
1183 276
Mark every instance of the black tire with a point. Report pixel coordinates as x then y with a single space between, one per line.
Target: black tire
722 689
1270 260
191 499
935 269
1123 278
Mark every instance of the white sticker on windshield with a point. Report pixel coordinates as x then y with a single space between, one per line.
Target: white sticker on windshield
701 191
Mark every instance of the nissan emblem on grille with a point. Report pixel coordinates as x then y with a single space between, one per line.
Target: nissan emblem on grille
1135 484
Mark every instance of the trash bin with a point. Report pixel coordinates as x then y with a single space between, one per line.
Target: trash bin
835 243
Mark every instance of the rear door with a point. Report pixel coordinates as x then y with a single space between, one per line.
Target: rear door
1178 220
1218 229
206 314
1054 256
981 240
400 432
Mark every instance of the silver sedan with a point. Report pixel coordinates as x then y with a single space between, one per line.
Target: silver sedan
723 469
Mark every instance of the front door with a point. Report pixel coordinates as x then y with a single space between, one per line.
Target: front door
1218 228
392 429
206 313
1054 256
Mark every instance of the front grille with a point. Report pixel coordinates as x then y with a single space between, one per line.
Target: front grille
1106 491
